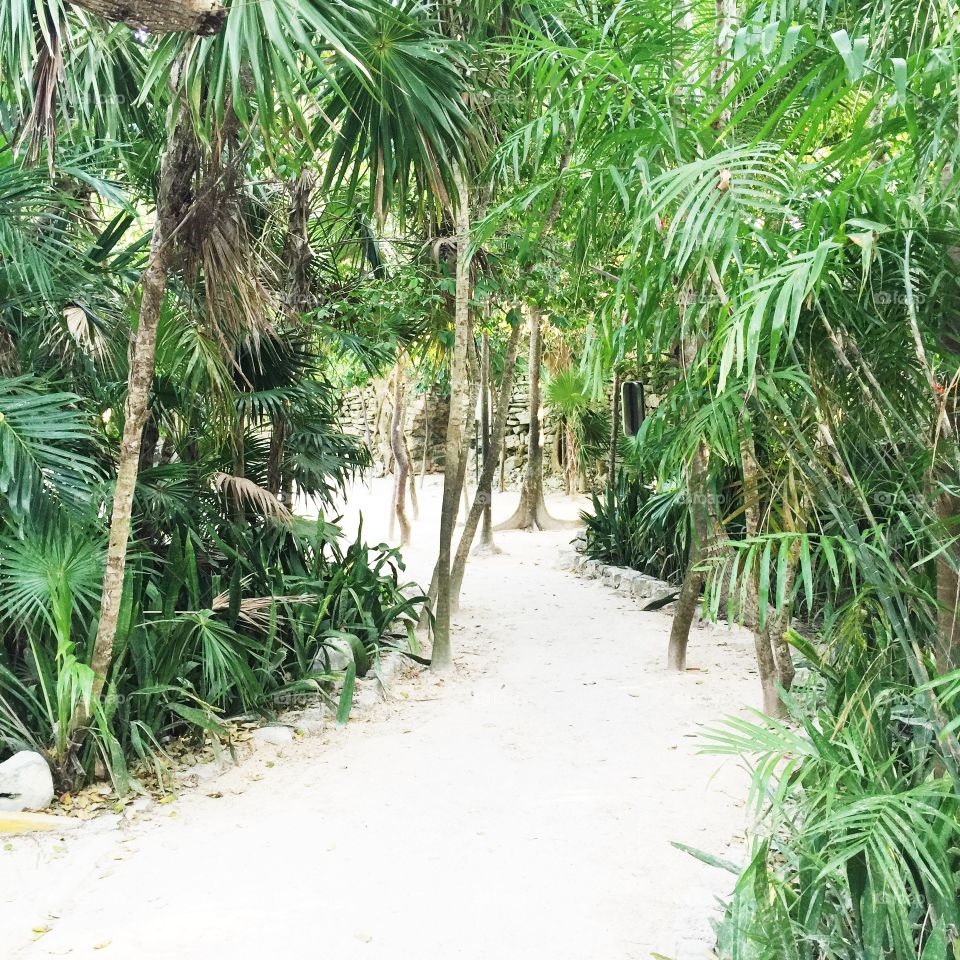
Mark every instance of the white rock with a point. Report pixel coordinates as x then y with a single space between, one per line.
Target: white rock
25 783
274 735
662 593
641 589
311 728
340 654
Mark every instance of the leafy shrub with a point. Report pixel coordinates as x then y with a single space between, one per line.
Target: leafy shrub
857 849
230 604
630 526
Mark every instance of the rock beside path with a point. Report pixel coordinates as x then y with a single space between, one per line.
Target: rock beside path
25 783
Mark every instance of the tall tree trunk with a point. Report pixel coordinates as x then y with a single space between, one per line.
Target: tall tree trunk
414 501
698 493
455 449
763 647
278 436
367 437
531 512
948 562
698 490
426 438
614 430
698 481
793 517
486 525
297 257
484 495
571 458
400 461
177 170
460 481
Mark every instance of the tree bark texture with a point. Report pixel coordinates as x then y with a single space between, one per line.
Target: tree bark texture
763 646
948 562
486 526
614 430
531 512
202 17
179 165
455 451
401 464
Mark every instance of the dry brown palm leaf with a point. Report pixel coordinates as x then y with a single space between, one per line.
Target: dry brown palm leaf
40 127
238 302
245 491
255 612
218 252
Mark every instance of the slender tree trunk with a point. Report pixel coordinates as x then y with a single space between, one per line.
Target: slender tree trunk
177 170
470 404
793 517
278 437
367 437
381 428
698 492
571 458
296 260
698 481
297 255
484 495
426 438
948 562
400 461
766 661
614 429
531 512
486 525
455 450
414 501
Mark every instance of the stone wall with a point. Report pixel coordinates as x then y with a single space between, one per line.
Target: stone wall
425 420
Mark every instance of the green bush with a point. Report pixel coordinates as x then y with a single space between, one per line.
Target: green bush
630 526
230 604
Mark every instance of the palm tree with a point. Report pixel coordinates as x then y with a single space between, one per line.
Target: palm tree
383 68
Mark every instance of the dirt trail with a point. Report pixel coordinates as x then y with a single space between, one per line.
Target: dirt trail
522 807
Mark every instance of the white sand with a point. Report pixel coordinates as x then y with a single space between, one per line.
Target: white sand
522 807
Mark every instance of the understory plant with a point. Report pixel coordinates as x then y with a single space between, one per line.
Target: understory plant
855 851
628 525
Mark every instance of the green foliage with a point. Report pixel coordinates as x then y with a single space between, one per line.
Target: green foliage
588 425
857 850
772 193
629 526
42 434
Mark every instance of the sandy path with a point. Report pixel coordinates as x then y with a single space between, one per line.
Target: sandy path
523 807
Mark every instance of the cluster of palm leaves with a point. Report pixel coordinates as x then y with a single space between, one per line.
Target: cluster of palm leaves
304 123
629 525
231 605
773 192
